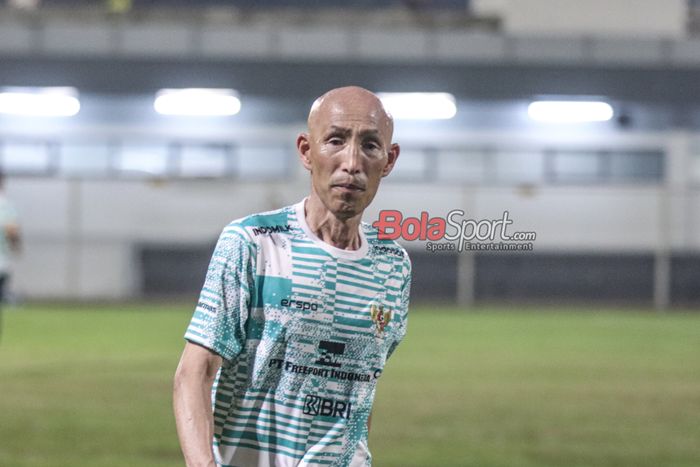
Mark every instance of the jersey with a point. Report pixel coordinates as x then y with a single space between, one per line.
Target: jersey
304 330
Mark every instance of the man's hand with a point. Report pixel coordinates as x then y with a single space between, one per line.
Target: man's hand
192 404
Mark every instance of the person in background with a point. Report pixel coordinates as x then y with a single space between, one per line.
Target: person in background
9 241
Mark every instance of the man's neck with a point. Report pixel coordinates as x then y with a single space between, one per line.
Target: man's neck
340 233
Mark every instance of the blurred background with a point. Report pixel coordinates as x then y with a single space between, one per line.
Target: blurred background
120 199
120 202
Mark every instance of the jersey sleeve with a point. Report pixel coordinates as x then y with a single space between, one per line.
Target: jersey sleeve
220 317
402 315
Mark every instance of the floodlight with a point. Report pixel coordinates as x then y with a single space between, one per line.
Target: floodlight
197 102
40 102
570 111
419 105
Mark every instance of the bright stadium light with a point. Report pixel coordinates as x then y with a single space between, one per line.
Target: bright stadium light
40 102
197 102
419 105
570 111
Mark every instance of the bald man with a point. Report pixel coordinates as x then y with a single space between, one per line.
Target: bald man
300 309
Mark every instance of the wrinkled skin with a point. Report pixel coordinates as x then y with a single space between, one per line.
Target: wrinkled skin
347 150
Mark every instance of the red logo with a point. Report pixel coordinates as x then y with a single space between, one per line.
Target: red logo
391 225
380 317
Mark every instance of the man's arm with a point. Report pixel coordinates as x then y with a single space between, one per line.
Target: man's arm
192 404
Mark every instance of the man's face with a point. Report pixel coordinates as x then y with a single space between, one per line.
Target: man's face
348 150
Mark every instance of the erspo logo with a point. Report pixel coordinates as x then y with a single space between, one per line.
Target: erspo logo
298 304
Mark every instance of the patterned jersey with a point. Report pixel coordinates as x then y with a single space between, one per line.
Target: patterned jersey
304 330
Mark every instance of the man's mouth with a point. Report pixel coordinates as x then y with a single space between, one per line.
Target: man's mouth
348 186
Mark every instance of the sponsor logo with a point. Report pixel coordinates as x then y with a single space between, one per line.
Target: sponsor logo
380 317
314 405
298 304
270 229
330 351
324 372
389 251
204 306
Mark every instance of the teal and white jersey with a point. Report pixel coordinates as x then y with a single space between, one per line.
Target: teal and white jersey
304 330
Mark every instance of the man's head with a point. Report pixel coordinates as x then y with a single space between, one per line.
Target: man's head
347 149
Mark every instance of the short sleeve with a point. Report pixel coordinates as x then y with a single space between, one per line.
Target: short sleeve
402 315
220 317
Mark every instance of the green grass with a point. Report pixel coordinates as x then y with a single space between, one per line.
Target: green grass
91 387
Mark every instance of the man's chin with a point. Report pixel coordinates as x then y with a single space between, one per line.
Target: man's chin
348 208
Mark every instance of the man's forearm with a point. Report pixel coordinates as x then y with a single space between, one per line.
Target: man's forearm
194 420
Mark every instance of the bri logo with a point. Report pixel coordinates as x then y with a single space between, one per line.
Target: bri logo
314 405
270 229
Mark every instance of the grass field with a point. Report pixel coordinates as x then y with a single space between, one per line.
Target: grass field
91 387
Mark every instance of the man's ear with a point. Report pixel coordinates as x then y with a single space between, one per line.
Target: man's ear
393 154
303 150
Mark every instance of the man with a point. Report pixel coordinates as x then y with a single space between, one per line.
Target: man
300 309
9 241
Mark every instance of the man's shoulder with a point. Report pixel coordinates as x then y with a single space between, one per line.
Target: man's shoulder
262 223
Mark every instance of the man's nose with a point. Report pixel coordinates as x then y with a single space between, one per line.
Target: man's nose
352 158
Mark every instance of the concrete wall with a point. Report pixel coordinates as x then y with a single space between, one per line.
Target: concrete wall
631 18
82 236
612 31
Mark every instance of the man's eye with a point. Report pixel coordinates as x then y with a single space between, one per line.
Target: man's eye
371 146
335 141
